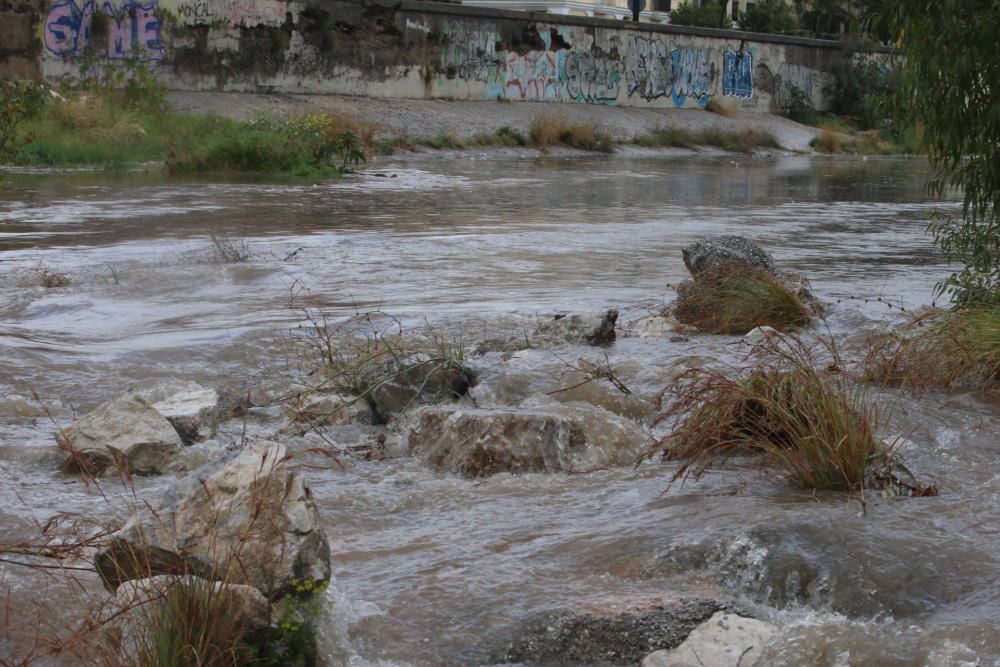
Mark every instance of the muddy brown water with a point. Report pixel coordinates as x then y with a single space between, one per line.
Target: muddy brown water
435 570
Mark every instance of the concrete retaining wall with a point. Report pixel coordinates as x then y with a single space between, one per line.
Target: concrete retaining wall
412 50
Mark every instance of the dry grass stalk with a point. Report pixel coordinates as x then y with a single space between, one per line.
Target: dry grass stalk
716 107
940 349
735 298
815 425
827 142
550 130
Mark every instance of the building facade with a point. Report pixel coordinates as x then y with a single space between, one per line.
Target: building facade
656 11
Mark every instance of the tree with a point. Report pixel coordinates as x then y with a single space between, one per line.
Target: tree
708 15
950 83
772 16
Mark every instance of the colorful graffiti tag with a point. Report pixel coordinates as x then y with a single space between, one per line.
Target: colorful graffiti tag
694 74
133 30
648 69
737 74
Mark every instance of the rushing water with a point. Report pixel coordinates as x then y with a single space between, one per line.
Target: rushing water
431 569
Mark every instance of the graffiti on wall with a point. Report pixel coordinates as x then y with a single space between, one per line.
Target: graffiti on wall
589 78
789 78
737 74
648 68
133 30
471 48
694 74
532 77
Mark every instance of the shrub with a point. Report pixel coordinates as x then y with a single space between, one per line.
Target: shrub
814 425
799 107
709 15
771 16
735 298
827 142
19 101
940 349
129 84
746 141
861 87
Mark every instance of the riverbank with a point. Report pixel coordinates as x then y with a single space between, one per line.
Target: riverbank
325 136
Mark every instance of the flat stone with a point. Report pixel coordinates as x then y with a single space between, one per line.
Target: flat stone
724 640
479 442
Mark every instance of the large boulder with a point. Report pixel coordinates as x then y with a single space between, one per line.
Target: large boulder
725 639
126 431
244 520
598 329
479 442
703 255
410 381
572 638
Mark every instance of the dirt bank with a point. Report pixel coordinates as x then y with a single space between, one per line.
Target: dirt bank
429 118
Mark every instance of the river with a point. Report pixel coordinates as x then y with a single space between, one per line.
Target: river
432 569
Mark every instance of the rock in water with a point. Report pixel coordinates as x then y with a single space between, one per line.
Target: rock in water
126 430
191 408
726 250
724 639
408 382
244 520
569 638
580 329
479 442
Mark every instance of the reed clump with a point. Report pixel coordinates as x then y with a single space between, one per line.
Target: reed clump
734 298
940 349
814 425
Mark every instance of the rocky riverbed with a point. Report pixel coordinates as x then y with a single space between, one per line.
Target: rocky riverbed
478 487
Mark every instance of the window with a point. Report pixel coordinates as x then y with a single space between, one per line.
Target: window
661 5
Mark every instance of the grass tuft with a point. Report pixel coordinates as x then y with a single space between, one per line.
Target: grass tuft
551 130
716 107
50 279
735 298
745 141
814 425
940 349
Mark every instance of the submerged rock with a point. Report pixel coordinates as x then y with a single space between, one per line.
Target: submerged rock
326 409
244 519
125 431
725 639
579 329
703 255
656 326
479 442
396 385
570 638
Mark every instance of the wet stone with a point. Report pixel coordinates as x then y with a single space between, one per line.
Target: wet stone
571 638
703 255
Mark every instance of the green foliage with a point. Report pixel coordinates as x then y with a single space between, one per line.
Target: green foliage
799 107
129 84
862 86
709 15
19 101
950 84
293 642
771 16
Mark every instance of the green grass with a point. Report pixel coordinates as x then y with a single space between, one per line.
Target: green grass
745 141
95 131
735 298
941 349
